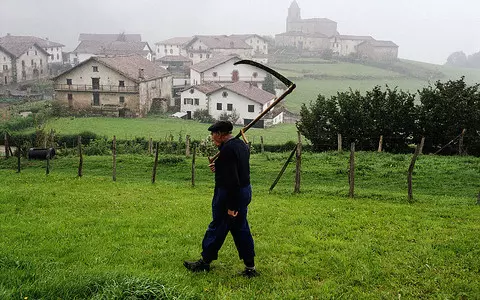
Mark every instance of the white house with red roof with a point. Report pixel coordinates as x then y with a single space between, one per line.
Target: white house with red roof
221 69
240 98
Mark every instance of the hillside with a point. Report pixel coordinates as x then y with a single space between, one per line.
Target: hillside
328 78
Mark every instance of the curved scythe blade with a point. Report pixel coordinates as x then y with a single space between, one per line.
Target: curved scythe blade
279 76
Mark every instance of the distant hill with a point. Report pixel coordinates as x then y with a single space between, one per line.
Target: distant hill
315 77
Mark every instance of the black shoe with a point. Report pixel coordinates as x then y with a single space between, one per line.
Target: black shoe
197 266
249 273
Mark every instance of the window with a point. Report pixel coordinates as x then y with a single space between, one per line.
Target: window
197 101
95 68
5 67
214 74
201 55
31 62
219 106
171 51
41 62
225 94
36 53
207 55
188 101
70 96
229 107
69 81
58 56
251 108
121 99
121 83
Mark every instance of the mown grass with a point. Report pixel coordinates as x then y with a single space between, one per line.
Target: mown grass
92 238
160 128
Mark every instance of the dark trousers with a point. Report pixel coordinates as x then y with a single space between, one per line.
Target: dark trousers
222 224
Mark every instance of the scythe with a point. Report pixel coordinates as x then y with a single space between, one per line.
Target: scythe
290 87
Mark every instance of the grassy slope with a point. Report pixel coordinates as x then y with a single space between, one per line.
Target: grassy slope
64 237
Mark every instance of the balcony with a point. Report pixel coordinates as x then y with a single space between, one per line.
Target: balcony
96 88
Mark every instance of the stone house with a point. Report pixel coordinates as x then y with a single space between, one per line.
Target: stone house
345 45
378 50
240 98
109 45
21 59
121 85
221 69
203 47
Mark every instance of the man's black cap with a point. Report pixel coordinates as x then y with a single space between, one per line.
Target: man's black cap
221 126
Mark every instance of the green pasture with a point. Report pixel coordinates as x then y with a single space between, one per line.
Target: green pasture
159 128
65 237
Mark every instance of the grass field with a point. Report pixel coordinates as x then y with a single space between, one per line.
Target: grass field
65 237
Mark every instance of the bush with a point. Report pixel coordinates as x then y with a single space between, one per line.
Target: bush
203 116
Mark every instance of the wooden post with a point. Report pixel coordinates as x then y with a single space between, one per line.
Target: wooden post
187 146
193 164
80 154
380 144
114 156
351 173
283 168
150 146
48 163
154 174
7 147
299 164
52 138
339 140
262 148
460 142
18 158
410 170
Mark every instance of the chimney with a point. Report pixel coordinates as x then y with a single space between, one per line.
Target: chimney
141 73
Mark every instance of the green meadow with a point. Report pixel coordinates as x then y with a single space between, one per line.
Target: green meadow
64 237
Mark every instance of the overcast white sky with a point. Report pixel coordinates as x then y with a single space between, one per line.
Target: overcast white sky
425 30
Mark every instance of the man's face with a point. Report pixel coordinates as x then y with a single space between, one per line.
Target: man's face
217 138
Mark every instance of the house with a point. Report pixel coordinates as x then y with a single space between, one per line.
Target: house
221 69
120 85
259 46
378 50
203 47
302 41
345 45
172 47
241 99
54 49
22 59
109 45
295 22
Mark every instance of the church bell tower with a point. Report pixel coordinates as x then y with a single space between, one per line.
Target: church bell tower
293 14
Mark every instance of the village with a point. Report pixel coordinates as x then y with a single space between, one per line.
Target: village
122 75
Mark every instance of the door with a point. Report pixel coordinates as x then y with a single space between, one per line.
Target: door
95 83
96 99
189 115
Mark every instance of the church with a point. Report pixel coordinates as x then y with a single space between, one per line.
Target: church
317 36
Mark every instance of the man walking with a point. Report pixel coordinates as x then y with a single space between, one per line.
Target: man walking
231 197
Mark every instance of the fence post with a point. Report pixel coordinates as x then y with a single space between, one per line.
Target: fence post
114 157
48 163
339 141
262 148
193 164
351 173
380 144
299 164
410 169
154 174
150 146
80 163
7 147
187 146
18 159
460 142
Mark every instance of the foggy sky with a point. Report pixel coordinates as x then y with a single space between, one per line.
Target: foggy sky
425 30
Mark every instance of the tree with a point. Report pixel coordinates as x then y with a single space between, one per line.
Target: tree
474 60
457 59
445 110
269 84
